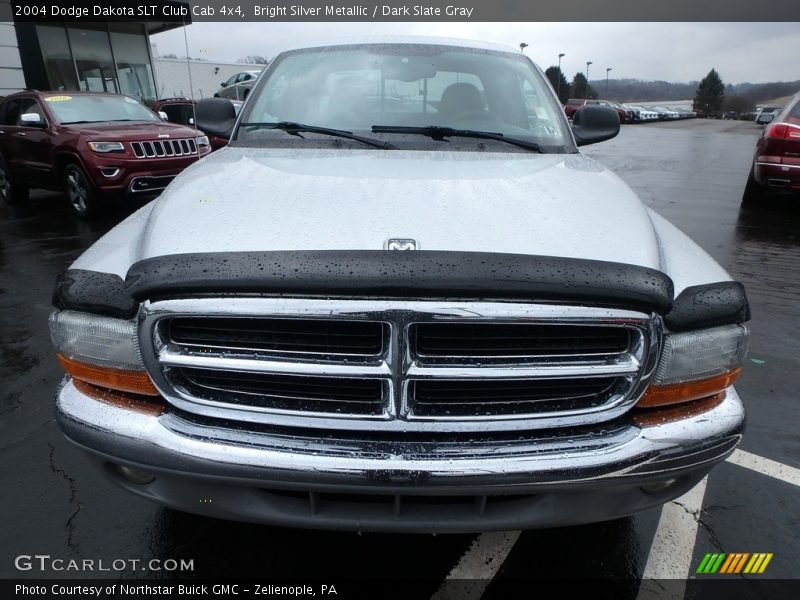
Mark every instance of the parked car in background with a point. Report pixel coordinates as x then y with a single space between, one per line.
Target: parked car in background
666 114
635 113
767 114
237 87
624 112
91 145
621 113
685 113
643 114
572 105
435 317
178 110
776 161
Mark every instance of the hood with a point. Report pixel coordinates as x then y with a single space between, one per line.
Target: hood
131 131
251 199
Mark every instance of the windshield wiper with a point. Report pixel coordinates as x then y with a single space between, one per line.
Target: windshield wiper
298 128
439 133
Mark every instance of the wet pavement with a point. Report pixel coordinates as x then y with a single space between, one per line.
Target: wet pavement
53 502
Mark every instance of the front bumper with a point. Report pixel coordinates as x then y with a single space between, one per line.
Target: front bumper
121 175
299 479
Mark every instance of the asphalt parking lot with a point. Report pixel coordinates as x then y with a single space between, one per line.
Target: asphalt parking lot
692 172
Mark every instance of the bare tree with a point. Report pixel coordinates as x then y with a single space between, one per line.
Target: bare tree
254 59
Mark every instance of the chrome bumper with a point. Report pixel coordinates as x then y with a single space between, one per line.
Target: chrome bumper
569 476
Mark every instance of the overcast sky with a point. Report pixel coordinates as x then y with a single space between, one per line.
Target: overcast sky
675 52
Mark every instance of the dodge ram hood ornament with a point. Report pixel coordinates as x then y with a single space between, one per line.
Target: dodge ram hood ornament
400 244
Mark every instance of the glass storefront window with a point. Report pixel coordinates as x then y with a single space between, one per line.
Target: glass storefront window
57 57
92 52
98 57
129 43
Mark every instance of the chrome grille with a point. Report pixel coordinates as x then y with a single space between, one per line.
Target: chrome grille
454 398
164 148
398 365
281 392
514 340
318 337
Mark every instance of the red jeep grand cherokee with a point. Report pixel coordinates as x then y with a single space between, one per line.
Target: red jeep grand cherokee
90 145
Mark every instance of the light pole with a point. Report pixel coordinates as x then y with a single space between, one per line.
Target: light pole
558 85
607 72
522 46
586 95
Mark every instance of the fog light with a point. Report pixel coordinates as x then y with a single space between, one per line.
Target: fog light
658 486
136 476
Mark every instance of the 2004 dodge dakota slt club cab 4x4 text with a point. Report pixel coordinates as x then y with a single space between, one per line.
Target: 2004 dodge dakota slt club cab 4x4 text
401 300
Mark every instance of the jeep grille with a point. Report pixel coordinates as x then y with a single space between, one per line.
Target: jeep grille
164 148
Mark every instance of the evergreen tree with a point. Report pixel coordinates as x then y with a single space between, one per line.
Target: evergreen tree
554 74
710 94
578 89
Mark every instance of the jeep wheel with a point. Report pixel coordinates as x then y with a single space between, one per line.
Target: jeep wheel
79 191
10 192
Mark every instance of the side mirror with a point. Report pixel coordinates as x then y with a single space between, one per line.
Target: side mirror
32 120
215 116
191 120
592 124
223 84
163 115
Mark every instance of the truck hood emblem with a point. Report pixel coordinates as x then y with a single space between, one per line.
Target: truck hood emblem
401 244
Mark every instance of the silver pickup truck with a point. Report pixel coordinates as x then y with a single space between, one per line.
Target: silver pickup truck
401 300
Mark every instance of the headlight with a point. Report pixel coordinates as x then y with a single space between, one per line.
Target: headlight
696 364
106 146
100 350
202 141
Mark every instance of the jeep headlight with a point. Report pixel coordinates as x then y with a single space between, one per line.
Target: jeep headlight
107 146
102 351
696 364
202 141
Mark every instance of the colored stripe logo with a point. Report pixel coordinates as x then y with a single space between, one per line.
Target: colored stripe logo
736 562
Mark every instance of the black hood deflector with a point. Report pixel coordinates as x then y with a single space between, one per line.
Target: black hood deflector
404 274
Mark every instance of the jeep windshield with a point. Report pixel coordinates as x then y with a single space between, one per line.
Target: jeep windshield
91 108
377 90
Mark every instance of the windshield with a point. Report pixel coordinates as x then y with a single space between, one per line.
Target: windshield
96 109
355 88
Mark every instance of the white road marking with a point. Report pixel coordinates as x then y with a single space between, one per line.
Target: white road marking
670 555
479 564
673 545
765 466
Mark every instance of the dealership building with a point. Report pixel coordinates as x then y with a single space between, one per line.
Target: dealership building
112 56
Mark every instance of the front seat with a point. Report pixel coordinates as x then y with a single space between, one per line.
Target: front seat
460 98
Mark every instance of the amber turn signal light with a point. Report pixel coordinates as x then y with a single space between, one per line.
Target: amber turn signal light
141 404
136 382
662 395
